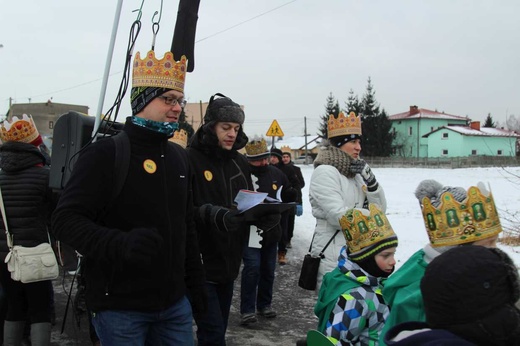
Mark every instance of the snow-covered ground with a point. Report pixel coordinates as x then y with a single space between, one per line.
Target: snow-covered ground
403 209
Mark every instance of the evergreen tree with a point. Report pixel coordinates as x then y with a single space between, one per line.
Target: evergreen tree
352 104
377 129
332 107
489 121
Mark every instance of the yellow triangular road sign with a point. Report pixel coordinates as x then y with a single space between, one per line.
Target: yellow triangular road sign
275 130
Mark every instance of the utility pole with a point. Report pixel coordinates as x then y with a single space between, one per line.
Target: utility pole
305 134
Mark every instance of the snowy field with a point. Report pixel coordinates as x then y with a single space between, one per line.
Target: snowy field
403 209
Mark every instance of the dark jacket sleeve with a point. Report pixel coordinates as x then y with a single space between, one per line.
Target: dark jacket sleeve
195 275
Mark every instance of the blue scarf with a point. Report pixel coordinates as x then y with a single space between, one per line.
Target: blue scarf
162 127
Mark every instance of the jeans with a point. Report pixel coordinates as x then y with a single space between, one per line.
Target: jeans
258 278
212 326
172 326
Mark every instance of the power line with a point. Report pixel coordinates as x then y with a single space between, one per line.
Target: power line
205 38
245 21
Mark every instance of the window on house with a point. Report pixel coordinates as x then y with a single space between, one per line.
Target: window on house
473 152
444 152
444 135
499 152
410 131
51 124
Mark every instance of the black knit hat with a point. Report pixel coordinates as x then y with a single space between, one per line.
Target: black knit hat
276 152
140 97
223 109
340 140
471 291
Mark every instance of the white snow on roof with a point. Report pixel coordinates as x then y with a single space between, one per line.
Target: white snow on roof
484 131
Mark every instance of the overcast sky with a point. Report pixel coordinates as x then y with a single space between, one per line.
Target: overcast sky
279 58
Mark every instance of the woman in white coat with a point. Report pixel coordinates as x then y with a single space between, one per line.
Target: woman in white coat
340 181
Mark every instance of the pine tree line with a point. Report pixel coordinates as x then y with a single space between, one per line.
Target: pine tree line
377 135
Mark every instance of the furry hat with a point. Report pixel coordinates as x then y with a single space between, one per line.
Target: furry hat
472 291
223 109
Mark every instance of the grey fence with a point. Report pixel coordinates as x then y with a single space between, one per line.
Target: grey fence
444 162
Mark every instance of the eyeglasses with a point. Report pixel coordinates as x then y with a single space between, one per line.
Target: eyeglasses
172 101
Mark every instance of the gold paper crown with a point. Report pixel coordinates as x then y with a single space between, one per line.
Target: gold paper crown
363 231
343 125
180 137
165 73
256 148
454 223
286 149
20 130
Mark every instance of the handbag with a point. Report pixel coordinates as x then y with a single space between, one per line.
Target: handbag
309 272
29 264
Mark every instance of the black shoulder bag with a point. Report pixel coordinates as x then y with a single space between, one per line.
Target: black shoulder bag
309 273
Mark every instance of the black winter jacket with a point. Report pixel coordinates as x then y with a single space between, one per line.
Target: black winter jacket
155 195
27 198
269 179
218 176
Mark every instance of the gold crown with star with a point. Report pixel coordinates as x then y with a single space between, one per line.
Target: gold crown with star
20 130
367 231
180 137
344 125
164 73
454 223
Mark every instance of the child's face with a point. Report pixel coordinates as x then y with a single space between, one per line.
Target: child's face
385 260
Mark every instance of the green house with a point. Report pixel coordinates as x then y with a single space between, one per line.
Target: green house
462 141
424 133
410 128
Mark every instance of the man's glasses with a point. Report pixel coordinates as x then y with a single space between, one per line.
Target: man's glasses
172 101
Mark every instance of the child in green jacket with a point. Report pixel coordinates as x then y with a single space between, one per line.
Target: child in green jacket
452 217
350 305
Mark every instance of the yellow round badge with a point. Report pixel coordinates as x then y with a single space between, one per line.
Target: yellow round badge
208 175
275 187
149 166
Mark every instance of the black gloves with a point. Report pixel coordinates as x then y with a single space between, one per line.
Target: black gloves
139 246
361 167
267 222
198 295
226 220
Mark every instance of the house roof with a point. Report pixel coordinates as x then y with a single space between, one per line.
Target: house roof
423 113
298 143
484 131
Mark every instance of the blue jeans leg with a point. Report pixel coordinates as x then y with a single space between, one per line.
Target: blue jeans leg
172 326
249 279
267 268
212 326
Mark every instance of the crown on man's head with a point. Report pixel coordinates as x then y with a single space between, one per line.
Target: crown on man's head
285 149
367 231
165 73
454 223
344 125
20 130
180 137
256 148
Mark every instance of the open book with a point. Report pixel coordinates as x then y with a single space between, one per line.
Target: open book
256 204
